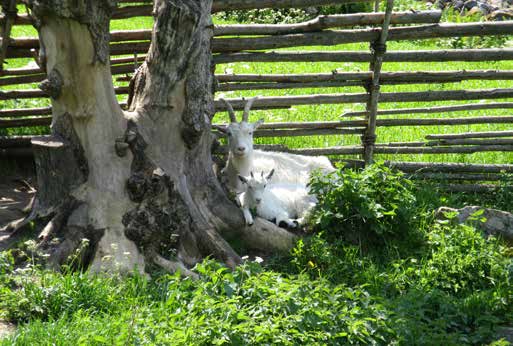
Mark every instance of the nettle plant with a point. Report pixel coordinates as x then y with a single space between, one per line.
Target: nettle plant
373 204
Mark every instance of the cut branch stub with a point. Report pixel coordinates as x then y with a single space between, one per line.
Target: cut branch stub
53 84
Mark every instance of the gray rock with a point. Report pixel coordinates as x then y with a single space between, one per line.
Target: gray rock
501 15
496 222
486 9
458 5
470 4
6 329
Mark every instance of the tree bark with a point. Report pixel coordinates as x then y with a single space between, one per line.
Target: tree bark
137 186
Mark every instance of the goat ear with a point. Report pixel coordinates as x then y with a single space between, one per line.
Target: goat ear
252 176
258 123
244 180
270 174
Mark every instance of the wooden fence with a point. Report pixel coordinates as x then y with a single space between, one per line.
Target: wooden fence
256 43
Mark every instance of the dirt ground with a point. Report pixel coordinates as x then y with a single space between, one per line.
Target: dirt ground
6 329
16 193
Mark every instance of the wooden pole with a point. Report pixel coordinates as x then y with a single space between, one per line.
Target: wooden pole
413 76
25 112
490 134
378 49
425 96
335 37
326 22
470 149
288 101
455 176
20 47
42 121
10 12
471 141
355 56
449 167
440 109
352 79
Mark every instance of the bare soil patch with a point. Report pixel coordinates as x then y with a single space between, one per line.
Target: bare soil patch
16 194
6 329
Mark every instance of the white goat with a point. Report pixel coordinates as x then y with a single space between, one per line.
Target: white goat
287 204
242 158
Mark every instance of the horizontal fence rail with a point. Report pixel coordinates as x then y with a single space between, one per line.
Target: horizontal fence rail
351 56
326 22
21 47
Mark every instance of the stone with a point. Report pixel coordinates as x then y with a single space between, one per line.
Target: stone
501 15
470 4
6 329
491 221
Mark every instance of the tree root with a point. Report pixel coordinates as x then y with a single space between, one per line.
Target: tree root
173 266
19 228
265 235
65 238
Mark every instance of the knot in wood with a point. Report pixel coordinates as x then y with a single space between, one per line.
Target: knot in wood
378 48
373 88
369 140
130 136
121 147
136 187
53 84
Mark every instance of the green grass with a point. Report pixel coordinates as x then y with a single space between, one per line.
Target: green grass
333 112
454 288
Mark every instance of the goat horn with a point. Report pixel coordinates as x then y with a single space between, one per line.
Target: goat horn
229 108
247 107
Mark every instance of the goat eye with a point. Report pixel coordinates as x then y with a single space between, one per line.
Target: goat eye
250 133
229 134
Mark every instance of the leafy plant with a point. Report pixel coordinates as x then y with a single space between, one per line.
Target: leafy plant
369 206
292 15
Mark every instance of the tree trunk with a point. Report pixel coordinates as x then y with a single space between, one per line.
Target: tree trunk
137 186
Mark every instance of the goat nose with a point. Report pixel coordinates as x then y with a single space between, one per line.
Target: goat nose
258 200
241 149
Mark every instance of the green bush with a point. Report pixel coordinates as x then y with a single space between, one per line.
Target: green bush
267 16
366 207
292 15
452 16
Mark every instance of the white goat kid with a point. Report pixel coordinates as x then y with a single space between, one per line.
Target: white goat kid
287 204
243 159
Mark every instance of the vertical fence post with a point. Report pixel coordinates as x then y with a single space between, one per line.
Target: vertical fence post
378 49
376 6
9 12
